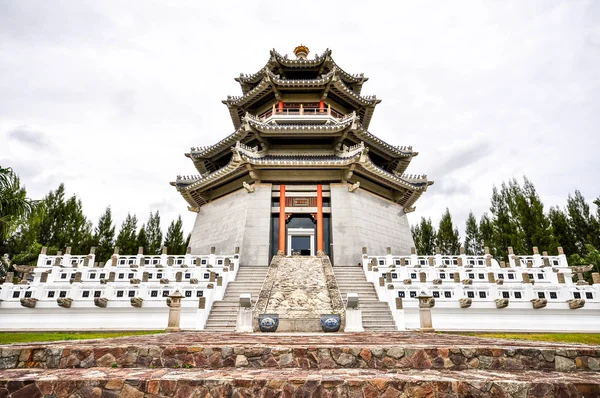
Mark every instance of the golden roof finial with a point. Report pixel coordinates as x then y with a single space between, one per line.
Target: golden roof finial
301 51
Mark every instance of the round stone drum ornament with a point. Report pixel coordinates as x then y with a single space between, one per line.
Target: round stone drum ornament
268 322
331 322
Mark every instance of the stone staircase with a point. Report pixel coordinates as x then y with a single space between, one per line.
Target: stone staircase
223 315
376 314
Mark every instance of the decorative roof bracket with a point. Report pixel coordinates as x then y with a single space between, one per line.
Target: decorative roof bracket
349 171
274 88
254 174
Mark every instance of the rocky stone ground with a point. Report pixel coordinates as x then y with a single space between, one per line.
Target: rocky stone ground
187 383
300 290
390 364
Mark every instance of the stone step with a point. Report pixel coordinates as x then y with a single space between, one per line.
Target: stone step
391 350
293 382
220 315
247 280
378 321
228 326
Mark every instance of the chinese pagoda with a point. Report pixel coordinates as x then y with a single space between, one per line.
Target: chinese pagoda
301 173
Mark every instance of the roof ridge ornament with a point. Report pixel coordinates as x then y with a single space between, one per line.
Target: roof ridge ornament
301 52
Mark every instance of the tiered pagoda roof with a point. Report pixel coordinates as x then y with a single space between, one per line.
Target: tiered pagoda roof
301 114
321 75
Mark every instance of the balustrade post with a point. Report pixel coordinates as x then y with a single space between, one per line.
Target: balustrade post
174 312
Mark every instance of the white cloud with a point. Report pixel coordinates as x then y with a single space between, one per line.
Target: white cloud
483 90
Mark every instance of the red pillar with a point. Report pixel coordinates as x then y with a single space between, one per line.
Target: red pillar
282 233
321 106
280 107
320 241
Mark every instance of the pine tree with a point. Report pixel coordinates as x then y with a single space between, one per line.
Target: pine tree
174 238
142 239
448 239
506 231
533 223
581 221
154 234
486 232
63 223
127 238
596 225
104 236
473 244
187 241
562 230
424 237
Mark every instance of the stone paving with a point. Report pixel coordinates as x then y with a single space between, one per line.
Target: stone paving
299 289
383 351
153 383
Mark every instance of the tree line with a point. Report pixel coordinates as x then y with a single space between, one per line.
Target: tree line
57 221
517 219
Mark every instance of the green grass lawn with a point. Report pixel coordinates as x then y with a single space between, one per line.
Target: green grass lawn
583 338
28 337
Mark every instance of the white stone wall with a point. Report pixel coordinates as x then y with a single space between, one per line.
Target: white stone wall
362 219
240 219
483 314
92 318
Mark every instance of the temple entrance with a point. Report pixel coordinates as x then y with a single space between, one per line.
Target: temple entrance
300 220
301 241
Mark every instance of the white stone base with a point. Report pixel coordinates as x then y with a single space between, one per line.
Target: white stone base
244 321
354 321
362 219
239 219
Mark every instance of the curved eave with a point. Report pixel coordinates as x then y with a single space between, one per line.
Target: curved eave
300 63
349 78
324 58
302 83
401 165
365 105
344 92
408 192
300 129
216 176
253 78
219 147
398 182
263 88
364 135
248 82
366 114
294 161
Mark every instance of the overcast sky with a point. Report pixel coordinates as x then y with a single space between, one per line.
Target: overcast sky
107 96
